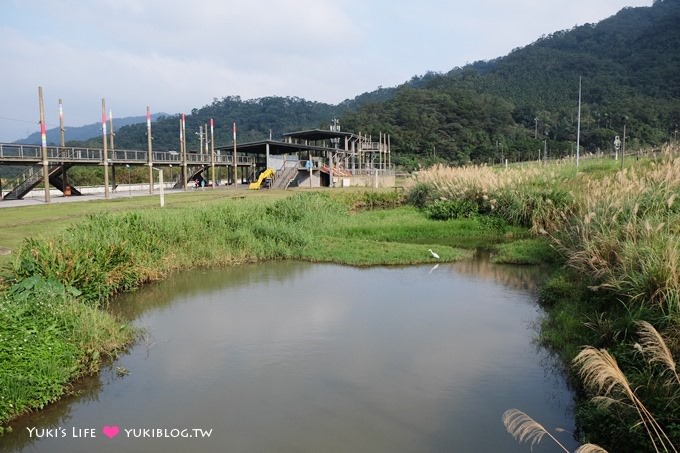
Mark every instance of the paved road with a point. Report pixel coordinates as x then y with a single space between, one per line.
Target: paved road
34 201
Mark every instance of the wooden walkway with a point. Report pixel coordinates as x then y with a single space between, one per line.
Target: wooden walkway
60 159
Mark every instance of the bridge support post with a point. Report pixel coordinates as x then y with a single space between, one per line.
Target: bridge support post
43 137
183 150
105 153
212 153
149 147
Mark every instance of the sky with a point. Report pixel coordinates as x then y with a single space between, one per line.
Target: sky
174 56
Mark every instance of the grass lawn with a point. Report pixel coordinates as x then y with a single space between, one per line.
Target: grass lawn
41 221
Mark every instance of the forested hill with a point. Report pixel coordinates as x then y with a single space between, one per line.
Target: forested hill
255 119
509 107
630 69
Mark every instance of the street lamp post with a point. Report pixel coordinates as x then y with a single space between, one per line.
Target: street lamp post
535 128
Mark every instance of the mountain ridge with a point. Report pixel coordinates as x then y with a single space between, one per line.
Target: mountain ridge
84 132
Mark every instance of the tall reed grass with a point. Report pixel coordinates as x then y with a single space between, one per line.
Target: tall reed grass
618 231
621 229
626 234
530 197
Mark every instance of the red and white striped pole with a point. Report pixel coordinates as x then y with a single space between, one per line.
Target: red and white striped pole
106 152
105 155
62 143
61 123
111 133
43 141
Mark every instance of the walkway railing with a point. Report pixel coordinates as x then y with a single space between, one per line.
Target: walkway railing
15 153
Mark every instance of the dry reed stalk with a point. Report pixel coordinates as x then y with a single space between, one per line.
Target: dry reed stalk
654 345
525 429
590 448
599 370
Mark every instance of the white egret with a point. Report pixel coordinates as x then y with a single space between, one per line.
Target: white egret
433 254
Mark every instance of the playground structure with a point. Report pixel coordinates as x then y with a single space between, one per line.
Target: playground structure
311 158
267 174
323 158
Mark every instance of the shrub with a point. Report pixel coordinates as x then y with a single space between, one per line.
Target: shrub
451 209
421 194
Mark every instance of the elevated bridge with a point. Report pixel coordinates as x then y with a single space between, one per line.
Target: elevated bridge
60 159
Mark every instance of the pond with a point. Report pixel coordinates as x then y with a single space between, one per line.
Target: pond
297 357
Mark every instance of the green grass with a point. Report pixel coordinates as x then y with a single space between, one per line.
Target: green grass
18 223
47 340
409 225
365 252
526 251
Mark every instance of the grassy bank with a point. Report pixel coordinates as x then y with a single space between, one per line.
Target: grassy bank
44 220
53 327
47 339
618 237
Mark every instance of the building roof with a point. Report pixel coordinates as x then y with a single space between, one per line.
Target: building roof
275 147
318 134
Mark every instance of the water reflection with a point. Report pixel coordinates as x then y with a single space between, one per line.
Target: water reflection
197 282
521 278
301 357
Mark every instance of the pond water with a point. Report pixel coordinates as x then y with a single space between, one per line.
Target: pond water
299 357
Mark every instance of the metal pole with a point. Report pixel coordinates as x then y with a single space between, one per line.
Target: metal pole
111 133
380 151
389 152
233 128
61 124
43 141
623 147
105 154
183 142
113 156
578 127
62 143
149 147
200 139
212 151
182 171
535 128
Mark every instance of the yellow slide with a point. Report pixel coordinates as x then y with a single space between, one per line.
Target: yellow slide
268 173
